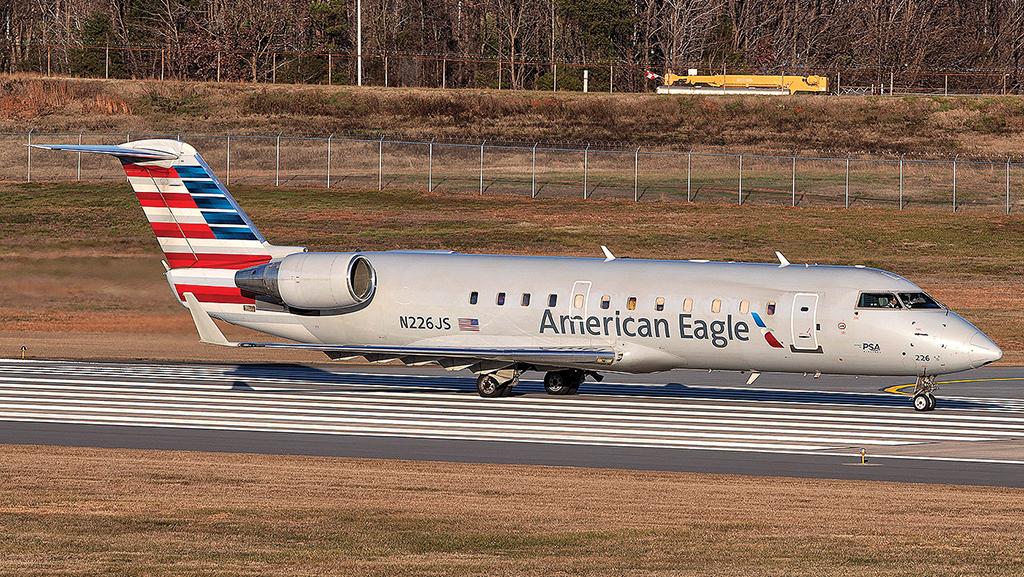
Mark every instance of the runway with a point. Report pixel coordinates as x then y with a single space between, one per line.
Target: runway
679 421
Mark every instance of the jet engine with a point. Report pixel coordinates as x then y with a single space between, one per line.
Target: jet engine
313 281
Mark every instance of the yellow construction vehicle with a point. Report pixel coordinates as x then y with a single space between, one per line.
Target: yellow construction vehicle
741 84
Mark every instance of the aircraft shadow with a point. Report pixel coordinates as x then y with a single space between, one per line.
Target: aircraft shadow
289 378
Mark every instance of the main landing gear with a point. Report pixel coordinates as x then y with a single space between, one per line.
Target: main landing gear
498 383
564 382
924 399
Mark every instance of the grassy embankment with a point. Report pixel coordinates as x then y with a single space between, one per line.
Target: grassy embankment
922 126
81 275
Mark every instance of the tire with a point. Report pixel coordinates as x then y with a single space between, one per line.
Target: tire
921 402
931 402
488 387
557 383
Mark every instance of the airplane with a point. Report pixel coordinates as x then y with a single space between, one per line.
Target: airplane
499 315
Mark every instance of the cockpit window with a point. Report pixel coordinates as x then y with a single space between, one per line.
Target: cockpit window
919 301
878 301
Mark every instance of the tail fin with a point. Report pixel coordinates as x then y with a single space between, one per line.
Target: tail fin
196 220
204 234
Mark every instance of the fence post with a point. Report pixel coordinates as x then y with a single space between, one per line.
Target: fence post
218 66
106 62
1007 185
611 78
839 82
330 68
482 166
740 189
688 157
892 77
78 168
329 138
277 164
444 73
901 182
586 169
49 50
386 71
161 64
273 70
554 81
380 164
228 170
847 203
533 171
954 182
794 181
430 165
28 174
636 175
945 85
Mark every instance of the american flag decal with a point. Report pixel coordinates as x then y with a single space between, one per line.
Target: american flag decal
472 325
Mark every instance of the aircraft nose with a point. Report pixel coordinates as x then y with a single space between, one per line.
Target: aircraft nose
982 350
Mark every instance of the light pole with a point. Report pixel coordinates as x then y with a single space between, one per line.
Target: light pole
359 42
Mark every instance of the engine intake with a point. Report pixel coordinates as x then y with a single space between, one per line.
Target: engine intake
313 281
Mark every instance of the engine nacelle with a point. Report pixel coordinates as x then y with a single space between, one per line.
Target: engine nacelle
313 280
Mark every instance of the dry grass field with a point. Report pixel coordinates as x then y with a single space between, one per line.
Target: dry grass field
925 126
68 511
80 274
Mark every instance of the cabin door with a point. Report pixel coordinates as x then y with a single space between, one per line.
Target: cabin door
805 323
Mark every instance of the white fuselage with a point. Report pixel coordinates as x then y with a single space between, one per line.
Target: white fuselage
656 315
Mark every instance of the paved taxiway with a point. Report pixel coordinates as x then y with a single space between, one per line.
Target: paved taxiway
680 421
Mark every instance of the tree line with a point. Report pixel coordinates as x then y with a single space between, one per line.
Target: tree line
478 42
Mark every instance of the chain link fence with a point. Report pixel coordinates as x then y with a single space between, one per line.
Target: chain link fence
541 171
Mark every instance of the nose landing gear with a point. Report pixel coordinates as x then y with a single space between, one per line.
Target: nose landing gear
924 399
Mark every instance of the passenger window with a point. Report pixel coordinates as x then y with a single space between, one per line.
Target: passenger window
473 297
501 299
631 303
659 304
716 306
744 307
878 301
552 300
606 301
526 300
577 301
770 309
687 305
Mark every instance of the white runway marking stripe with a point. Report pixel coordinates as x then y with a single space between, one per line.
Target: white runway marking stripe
305 400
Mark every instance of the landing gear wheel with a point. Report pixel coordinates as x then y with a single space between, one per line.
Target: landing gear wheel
488 387
924 398
558 383
563 382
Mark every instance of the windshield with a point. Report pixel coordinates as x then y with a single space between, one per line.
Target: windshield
878 301
919 301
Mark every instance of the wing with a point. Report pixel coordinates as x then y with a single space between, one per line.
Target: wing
448 357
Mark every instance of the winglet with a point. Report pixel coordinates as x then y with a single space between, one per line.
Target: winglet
608 256
783 261
208 331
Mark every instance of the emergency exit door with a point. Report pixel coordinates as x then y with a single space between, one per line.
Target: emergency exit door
805 323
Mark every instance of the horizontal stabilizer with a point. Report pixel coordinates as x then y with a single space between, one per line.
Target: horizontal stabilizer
123 152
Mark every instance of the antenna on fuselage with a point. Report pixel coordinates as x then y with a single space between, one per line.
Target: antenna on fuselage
783 261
